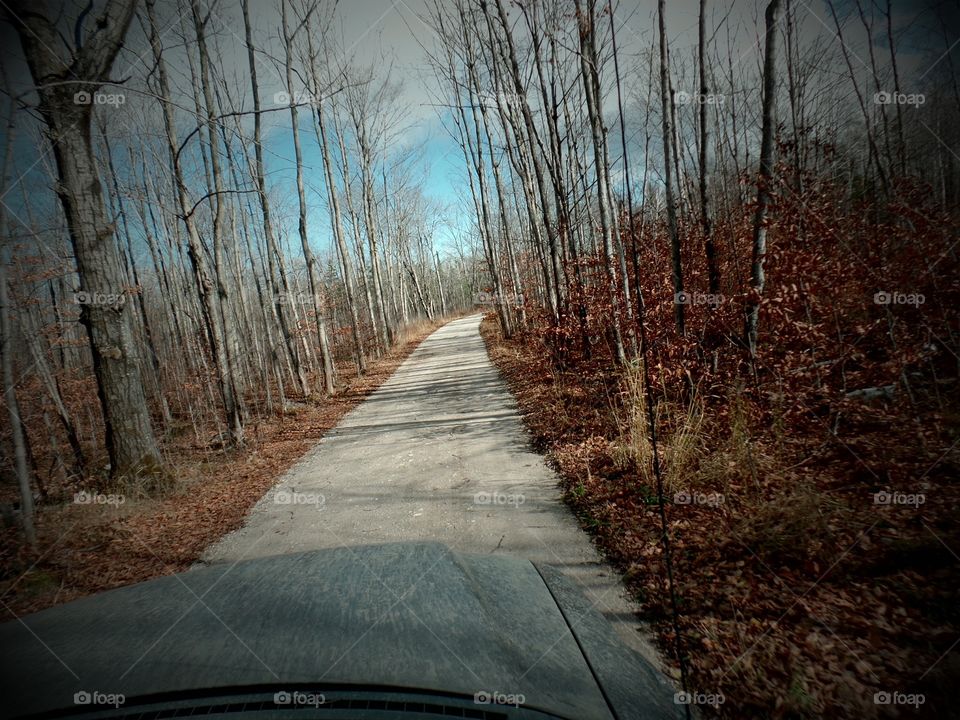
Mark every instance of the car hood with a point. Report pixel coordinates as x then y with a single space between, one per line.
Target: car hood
405 616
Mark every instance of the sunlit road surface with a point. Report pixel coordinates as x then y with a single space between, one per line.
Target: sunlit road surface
438 453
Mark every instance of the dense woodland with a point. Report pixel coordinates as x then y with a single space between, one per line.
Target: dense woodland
723 261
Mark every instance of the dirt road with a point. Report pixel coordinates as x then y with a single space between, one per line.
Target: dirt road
439 453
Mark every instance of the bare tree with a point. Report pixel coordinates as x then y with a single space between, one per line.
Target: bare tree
66 80
282 309
316 290
666 104
591 86
13 410
706 209
336 217
765 177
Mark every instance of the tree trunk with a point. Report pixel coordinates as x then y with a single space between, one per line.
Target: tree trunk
767 149
196 252
706 211
591 88
316 291
281 308
13 410
666 104
336 217
116 362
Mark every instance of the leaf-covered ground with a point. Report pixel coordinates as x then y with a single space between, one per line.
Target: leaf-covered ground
799 596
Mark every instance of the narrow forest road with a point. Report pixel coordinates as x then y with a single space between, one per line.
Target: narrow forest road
437 453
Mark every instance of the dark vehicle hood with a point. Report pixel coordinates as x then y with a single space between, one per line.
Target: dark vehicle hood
405 616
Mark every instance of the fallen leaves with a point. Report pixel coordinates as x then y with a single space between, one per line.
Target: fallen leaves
799 597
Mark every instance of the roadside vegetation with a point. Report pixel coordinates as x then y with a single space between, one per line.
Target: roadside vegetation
810 493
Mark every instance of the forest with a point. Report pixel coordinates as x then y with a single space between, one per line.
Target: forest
716 245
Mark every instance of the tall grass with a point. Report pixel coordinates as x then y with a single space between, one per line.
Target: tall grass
680 432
